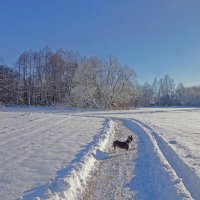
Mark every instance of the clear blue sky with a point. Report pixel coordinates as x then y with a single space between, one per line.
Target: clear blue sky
154 37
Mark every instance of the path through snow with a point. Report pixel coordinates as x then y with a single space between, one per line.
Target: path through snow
145 173
110 180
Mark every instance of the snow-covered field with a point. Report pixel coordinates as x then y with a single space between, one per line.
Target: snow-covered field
67 154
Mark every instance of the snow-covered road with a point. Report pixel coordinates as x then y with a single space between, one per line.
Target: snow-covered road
147 172
110 180
59 154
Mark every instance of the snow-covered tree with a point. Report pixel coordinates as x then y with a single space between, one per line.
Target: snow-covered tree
155 91
180 95
166 91
103 84
193 96
147 92
8 85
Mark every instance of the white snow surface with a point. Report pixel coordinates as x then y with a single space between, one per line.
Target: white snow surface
37 148
55 153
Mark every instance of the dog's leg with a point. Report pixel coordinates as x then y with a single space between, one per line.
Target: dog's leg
115 149
127 150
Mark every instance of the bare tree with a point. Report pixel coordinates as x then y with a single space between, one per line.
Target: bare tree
8 80
103 84
147 91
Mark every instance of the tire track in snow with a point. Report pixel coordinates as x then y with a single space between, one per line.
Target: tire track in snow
162 176
189 178
36 133
24 127
36 128
17 122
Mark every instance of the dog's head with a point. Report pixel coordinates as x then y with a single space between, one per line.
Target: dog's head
129 139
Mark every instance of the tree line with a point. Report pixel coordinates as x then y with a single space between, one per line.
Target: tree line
165 93
47 77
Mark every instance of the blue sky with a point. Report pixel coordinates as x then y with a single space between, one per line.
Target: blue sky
155 37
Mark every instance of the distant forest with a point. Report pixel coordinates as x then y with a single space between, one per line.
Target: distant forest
47 78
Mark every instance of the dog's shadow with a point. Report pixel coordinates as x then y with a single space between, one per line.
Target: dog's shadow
101 155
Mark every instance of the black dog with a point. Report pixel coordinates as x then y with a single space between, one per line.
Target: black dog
123 145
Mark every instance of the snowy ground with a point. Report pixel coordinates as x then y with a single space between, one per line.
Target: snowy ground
37 147
59 154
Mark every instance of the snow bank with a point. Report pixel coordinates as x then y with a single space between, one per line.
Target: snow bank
165 183
72 186
186 175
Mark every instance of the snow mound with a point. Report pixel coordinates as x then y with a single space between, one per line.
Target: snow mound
73 185
165 182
